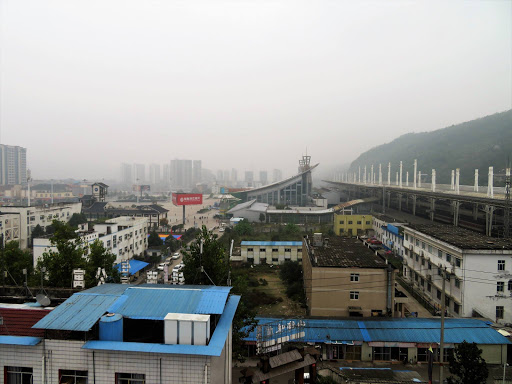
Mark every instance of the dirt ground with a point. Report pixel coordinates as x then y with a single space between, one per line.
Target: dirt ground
275 287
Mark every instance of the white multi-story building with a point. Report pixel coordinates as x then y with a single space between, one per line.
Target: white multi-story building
390 233
125 237
269 252
126 335
478 270
13 165
30 217
9 227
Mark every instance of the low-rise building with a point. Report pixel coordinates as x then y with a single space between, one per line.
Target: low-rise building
390 233
9 227
477 268
342 277
270 252
122 334
43 215
125 237
348 224
381 340
153 212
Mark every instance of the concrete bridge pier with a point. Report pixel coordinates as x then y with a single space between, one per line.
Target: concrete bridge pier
399 202
475 212
456 209
432 208
414 205
489 212
389 198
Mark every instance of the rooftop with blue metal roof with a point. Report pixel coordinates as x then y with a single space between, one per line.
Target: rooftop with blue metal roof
410 330
135 266
153 302
273 243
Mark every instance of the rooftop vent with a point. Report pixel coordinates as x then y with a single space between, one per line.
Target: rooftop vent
317 240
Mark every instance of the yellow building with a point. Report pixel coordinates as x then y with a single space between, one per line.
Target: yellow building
352 225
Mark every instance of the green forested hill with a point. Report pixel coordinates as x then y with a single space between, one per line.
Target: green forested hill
476 144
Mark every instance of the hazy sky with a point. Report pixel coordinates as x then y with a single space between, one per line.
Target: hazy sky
86 85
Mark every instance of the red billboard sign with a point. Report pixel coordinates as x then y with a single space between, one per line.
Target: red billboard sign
187 198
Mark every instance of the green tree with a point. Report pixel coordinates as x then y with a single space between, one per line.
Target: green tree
99 257
76 219
14 260
69 252
154 240
262 217
292 230
243 228
38 231
216 267
164 222
291 274
467 365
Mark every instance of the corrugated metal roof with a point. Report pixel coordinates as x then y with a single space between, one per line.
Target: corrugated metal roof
19 340
135 266
109 289
214 347
155 303
78 313
412 330
273 243
19 322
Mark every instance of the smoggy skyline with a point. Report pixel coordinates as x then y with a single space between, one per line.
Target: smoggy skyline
86 86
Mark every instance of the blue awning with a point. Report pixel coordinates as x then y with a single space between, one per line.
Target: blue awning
19 340
135 266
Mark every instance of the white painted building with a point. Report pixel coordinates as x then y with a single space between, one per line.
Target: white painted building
478 270
125 237
269 252
390 233
30 217
9 227
180 344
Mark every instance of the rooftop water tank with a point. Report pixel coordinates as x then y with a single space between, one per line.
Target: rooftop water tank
111 327
184 328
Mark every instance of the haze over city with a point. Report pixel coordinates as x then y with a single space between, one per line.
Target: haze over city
88 85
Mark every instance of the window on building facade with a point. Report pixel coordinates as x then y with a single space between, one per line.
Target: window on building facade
275 250
354 277
359 222
422 261
500 286
422 245
353 352
440 254
18 375
130 378
406 237
263 250
417 257
354 295
448 258
458 262
287 249
350 222
456 307
430 249
250 250
429 265
72 377
342 222
510 285
368 223
417 243
438 294
501 265
500 310
275 259
429 287
457 283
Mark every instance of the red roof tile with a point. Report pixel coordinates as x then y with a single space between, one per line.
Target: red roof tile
19 322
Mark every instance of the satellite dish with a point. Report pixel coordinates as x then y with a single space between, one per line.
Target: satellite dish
43 300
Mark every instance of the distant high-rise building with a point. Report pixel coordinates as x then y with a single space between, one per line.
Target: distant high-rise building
126 174
234 176
183 174
263 178
166 177
197 172
226 176
139 173
220 176
13 165
277 175
154 174
249 178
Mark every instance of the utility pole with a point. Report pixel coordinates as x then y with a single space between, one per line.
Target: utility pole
506 219
441 344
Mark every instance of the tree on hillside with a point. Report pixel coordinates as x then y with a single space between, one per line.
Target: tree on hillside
467 365
243 228
99 257
154 240
68 255
216 268
14 260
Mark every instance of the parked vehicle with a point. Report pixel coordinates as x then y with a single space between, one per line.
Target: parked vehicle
176 256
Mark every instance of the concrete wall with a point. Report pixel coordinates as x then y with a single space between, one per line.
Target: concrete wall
330 291
103 365
352 225
295 253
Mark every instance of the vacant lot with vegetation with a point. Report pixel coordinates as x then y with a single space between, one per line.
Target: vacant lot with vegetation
267 292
